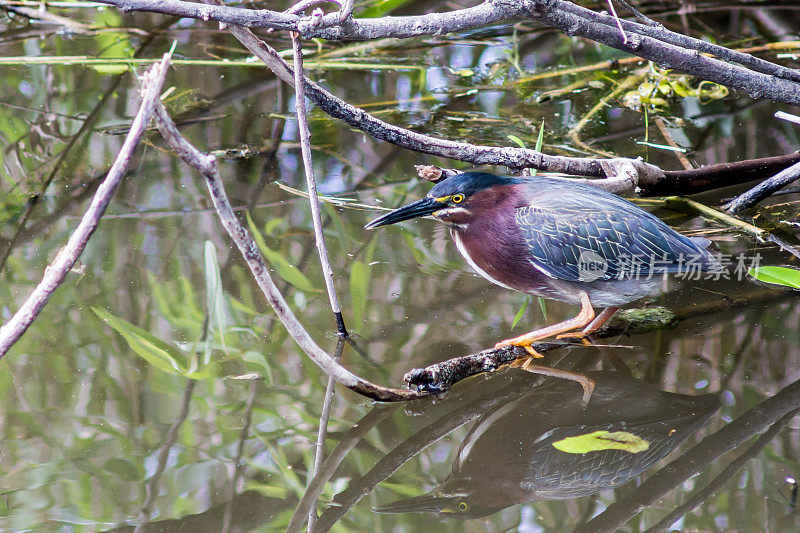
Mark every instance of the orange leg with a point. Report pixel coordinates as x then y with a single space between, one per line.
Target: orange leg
583 319
594 326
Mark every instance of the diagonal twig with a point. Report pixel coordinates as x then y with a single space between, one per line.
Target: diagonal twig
57 271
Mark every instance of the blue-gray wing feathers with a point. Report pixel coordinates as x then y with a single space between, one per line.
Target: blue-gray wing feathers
595 235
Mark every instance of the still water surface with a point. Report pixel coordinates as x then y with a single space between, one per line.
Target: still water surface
96 437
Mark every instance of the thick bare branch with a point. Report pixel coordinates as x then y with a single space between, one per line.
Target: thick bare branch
56 273
756 77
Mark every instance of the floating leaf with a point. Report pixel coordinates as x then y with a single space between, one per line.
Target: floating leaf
284 268
602 440
787 277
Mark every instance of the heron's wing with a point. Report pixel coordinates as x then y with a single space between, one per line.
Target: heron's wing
587 240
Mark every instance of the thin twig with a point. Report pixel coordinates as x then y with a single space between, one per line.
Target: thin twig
764 189
662 127
619 24
623 86
730 220
56 273
305 149
639 15
207 166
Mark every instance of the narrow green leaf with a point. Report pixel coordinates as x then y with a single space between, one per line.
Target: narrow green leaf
283 268
521 311
538 146
542 307
153 350
215 299
123 468
359 281
517 140
788 277
112 44
382 7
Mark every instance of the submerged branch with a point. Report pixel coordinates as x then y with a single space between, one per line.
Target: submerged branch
56 272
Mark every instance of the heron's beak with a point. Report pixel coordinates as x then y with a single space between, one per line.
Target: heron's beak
427 503
420 208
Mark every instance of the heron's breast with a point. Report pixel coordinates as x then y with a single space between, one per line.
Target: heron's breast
498 255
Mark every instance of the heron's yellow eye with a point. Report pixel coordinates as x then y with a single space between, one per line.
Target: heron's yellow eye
463 507
458 198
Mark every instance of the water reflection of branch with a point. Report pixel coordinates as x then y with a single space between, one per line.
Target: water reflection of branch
706 492
171 437
57 271
328 468
474 405
86 126
751 423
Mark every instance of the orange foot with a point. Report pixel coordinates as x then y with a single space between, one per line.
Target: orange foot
584 318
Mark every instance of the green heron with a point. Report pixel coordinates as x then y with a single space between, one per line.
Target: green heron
558 239
544 443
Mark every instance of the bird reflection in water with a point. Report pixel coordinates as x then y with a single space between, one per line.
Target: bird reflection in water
557 239
546 444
